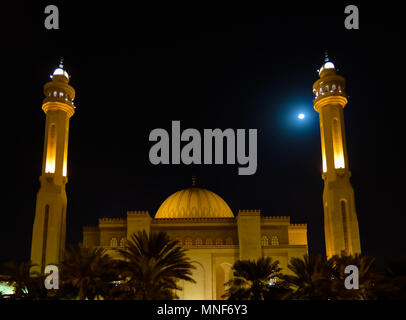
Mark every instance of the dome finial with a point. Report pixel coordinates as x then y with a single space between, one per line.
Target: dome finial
60 72
194 181
326 59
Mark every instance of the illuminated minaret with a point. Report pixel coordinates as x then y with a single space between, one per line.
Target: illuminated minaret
48 238
340 217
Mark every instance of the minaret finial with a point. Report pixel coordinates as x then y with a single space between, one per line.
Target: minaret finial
326 59
194 181
61 63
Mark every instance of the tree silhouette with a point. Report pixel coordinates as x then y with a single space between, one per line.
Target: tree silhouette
154 264
255 280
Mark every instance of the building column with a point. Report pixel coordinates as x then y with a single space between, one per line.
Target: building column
249 234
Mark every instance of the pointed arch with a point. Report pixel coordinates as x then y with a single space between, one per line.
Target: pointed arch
275 241
113 242
344 216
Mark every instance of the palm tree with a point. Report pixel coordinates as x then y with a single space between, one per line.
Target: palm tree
87 271
27 283
255 280
365 276
390 283
154 263
311 279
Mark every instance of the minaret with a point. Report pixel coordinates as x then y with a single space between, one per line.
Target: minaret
48 238
340 218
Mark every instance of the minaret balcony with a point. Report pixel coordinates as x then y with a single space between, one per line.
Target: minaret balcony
336 173
59 99
343 172
329 98
58 104
327 91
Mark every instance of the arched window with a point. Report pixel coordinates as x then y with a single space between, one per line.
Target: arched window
219 242
51 149
338 145
209 241
199 241
123 242
188 242
60 94
113 242
45 234
333 87
264 241
275 241
345 227
229 241
55 93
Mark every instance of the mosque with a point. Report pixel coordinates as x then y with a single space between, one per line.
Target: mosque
196 217
204 223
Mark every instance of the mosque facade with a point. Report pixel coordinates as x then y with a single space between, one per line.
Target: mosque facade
202 221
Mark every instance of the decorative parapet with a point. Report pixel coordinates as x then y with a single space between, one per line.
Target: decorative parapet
192 220
275 221
254 212
138 213
298 225
273 218
112 222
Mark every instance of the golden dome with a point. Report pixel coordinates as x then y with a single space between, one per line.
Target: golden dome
194 202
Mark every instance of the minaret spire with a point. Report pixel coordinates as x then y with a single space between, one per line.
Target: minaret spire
326 59
48 237
340 217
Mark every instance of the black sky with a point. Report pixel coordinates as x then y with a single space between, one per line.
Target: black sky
138 67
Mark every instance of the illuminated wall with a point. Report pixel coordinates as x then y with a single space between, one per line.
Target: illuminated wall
323 147
65 154
51 149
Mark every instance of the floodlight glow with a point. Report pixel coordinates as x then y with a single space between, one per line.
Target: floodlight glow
328 65
60 72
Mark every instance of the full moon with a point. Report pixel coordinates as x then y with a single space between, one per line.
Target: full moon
301 116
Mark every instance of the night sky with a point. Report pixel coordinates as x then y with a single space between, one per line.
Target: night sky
136 68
